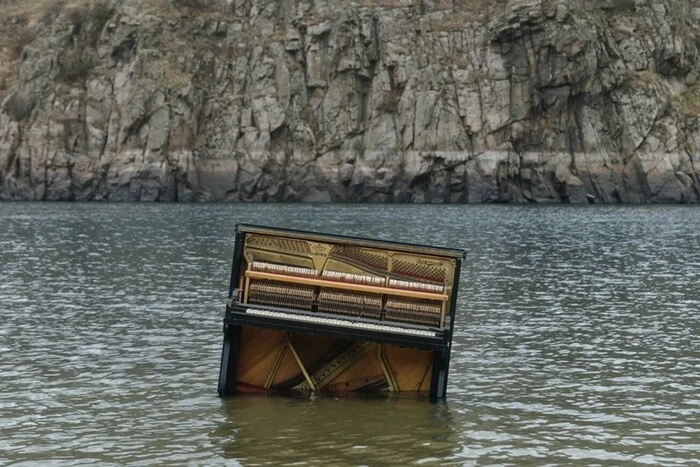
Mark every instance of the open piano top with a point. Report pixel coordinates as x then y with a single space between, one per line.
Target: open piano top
320 312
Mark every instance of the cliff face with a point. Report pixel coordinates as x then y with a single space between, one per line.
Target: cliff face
376 101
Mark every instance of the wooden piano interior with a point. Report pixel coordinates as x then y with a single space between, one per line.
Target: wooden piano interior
310 312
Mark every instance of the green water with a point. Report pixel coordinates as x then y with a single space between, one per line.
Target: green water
577 341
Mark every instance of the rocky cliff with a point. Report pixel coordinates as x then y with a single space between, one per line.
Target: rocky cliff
332 100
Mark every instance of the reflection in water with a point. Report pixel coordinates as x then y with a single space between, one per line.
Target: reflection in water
576 342
351 431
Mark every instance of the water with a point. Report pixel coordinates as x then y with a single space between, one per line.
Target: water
577 339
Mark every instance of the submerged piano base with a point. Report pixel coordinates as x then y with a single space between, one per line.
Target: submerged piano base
277 351
283 361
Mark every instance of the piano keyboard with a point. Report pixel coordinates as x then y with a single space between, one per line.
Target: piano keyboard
341 322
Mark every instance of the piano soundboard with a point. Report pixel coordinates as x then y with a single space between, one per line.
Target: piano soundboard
330 313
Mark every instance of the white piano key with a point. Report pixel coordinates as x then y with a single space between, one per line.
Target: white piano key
340 322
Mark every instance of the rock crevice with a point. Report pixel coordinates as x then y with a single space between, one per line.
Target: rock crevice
402 101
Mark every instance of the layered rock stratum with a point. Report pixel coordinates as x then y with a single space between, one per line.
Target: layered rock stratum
350 101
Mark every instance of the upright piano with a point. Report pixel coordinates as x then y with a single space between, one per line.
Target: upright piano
336 314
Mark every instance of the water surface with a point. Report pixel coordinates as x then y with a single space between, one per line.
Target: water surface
577 340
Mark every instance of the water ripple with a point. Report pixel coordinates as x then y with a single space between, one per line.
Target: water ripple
577 340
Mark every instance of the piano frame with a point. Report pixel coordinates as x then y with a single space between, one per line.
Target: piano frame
243 317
